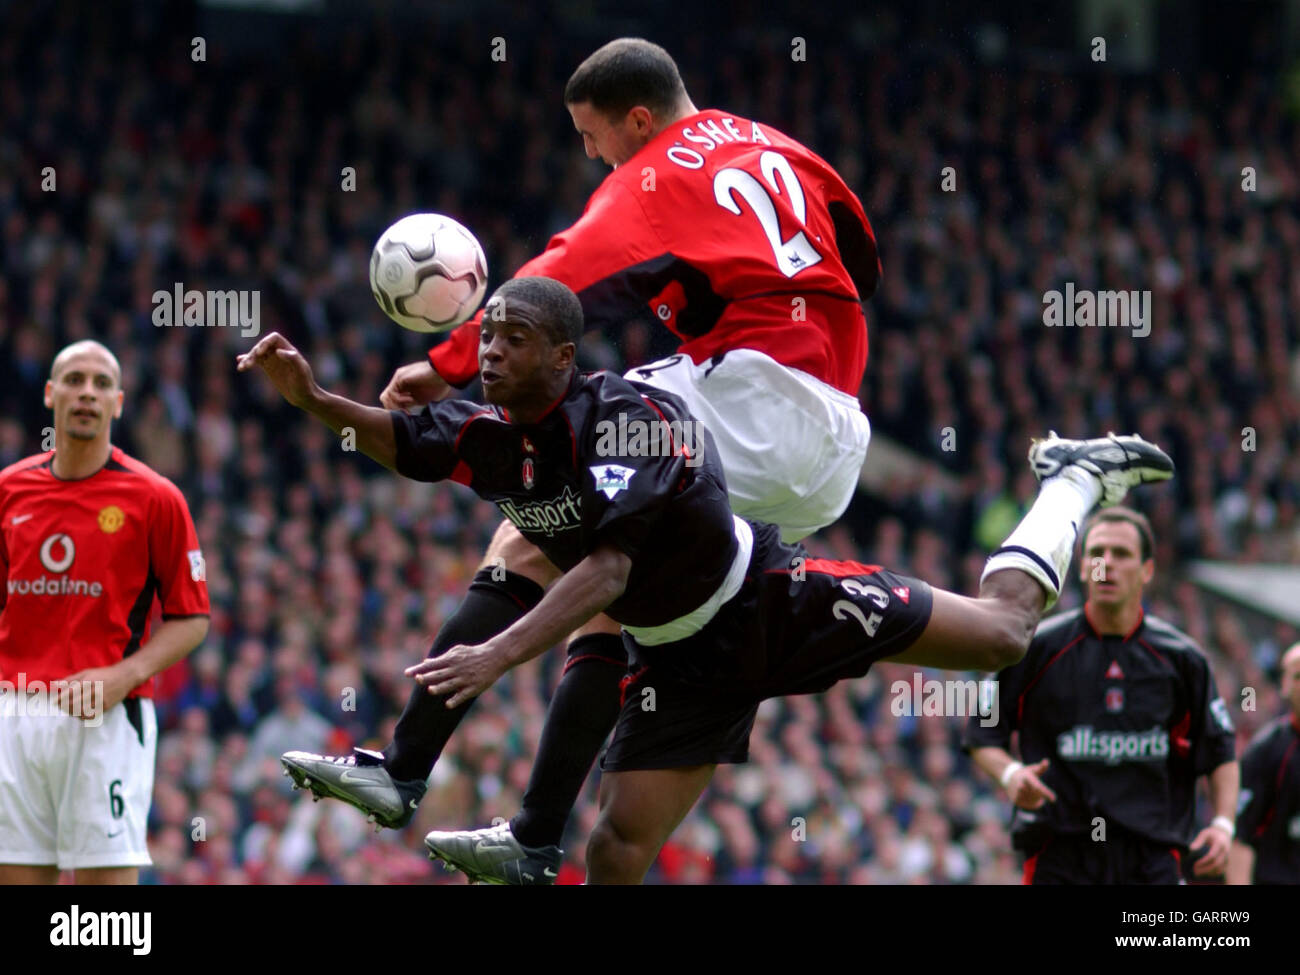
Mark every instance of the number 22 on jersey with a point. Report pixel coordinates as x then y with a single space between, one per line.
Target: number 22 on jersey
793 254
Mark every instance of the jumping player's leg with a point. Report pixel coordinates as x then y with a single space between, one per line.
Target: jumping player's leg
638 812
1022 579
388 786
509 582
639 809
987 633
511 551
582 713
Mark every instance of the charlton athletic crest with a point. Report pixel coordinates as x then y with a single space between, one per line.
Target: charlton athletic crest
1114 699
527 472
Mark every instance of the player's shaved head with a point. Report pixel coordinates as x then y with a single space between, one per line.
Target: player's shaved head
558 313
1291 659
624 74
86 347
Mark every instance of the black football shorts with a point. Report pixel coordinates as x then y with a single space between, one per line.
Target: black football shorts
797 626
1125 858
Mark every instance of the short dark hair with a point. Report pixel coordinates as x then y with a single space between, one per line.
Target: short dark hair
1126 516
561 318
625 73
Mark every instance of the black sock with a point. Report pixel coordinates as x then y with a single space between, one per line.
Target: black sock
583 712
427 723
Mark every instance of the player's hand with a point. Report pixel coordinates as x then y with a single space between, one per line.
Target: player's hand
1027 790
464 672
1215 859
414 385
92 693
284 365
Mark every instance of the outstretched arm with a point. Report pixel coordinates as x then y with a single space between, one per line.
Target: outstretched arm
576 597
292 376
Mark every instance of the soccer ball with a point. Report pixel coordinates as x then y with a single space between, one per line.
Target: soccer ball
428 273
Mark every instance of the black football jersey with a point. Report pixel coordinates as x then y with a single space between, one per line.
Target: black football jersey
612 462
1127 723
1268 816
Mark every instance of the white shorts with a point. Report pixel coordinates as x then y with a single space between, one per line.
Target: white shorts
792 446
72 795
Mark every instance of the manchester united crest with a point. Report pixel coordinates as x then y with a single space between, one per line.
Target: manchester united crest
111 519
527 473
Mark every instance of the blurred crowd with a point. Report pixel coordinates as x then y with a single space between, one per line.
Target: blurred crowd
329 575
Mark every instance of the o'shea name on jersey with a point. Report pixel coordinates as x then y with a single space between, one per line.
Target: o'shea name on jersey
728 233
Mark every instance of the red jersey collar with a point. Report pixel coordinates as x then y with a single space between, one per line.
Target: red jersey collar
1092 625
113 452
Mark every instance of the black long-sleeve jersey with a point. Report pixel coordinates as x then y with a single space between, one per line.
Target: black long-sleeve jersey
1268 812
611 462
1127 723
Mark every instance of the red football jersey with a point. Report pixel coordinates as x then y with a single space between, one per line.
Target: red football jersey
733 235
81 562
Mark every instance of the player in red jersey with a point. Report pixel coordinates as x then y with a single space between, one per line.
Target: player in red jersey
752 250
88 536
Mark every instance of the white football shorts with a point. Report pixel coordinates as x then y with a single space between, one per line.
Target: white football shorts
72 794
792 447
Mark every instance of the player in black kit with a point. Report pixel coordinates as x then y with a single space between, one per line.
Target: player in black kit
1118 716
1267 847
718 613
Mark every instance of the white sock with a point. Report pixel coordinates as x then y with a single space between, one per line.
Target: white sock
1043 543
